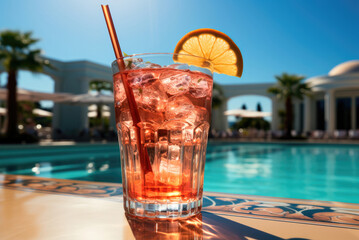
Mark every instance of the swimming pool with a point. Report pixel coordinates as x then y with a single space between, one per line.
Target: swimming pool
304 171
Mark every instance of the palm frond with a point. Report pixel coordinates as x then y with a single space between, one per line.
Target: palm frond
289 85
275 90
99 85
218 97
17 54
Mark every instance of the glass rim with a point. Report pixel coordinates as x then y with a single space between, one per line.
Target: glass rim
206 63
158 54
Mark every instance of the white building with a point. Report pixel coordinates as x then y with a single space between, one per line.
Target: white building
73 77
333 105
335 102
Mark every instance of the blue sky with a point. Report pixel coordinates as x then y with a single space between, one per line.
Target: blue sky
306 37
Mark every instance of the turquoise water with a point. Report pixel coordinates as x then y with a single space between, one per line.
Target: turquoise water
304 171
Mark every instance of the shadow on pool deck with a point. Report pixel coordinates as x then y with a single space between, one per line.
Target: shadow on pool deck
204 226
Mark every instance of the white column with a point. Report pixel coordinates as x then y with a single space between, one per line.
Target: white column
307 114
73 77
70 119
329 103
224 118
274 124
219 120
112 117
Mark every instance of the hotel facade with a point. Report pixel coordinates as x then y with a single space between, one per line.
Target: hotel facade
332 106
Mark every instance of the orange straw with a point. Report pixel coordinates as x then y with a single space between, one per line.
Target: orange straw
144 159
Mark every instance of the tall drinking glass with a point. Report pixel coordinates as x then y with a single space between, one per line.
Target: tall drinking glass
162 173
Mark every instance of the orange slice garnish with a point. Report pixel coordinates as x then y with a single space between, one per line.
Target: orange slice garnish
213 49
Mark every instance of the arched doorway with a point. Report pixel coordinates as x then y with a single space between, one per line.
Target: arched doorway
73 77
232 91
250 102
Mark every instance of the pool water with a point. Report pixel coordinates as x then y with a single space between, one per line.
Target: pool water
305 171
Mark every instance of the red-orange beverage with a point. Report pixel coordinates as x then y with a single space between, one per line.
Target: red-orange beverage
174 104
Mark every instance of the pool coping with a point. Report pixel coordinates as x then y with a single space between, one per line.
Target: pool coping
344 142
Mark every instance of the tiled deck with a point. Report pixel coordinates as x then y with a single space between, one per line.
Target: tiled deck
40 208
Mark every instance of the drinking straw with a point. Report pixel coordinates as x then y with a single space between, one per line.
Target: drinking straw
144 159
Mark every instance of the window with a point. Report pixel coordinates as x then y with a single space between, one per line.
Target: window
320 118
343 113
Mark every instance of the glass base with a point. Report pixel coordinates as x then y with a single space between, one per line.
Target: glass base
156 210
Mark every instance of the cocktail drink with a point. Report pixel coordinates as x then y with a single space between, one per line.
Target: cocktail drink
163 109
163 172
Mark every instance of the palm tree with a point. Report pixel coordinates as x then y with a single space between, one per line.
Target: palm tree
289 87
98 86
244 107
16 54
218 97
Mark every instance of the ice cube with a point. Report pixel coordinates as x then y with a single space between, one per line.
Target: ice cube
136 80
178 66
146 65
175 82
178 107
201 131
181 108
125 116
140 79
120 94
170 167
199 87
173 125
155 118
152 97
173 177
147 132
174 152
132 62
202 115
172 131
196 116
